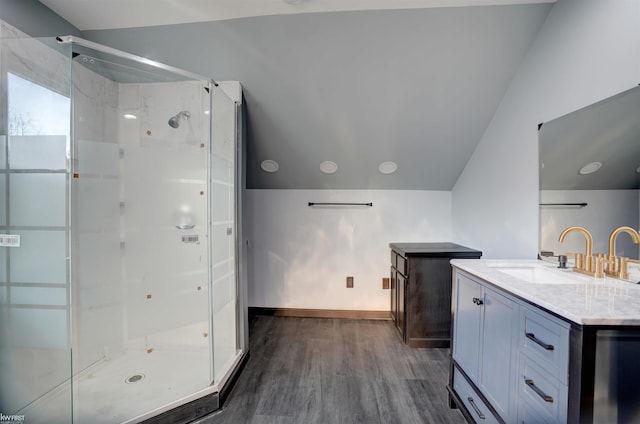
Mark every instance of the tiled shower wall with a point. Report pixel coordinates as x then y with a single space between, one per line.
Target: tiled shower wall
165 187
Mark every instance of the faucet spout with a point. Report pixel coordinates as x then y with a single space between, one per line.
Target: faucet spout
617 267
586 267
587 235
614 235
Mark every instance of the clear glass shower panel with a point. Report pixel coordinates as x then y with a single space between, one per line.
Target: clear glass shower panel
140 204
35 307
226 347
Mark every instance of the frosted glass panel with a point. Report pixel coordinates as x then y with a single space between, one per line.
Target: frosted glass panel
38 152
38 200
38 328
222 243
41 258
98 158
221 169
3 209
3 263
52 296
223 292
3 295
98 204
3 156
224 339
221 195
98 263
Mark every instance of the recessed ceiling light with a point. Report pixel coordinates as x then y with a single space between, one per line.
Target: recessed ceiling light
129 116
328 167
590 168
206 112
269 165
388 167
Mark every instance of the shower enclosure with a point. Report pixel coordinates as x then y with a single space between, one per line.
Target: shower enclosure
120 293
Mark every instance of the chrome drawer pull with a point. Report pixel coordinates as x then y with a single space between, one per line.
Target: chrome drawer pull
532 337
478 301
473 404
539 392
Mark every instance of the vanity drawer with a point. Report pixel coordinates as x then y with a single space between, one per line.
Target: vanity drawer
529 413
545 339
402 265
472 401
540 393
399 262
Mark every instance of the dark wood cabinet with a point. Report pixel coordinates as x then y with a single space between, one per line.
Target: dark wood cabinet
421 290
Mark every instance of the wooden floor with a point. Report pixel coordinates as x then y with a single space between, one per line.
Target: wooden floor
314 370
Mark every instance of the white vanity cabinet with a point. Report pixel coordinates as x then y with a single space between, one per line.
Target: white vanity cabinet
533 344
543 367
485 327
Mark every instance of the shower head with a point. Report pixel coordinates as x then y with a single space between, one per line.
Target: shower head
174 121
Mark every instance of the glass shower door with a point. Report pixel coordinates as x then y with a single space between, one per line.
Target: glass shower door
226 328
35 297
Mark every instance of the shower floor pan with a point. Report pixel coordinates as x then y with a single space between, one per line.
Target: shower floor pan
130 385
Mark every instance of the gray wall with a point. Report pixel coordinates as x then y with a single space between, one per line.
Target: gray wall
33 18
586 51
417 87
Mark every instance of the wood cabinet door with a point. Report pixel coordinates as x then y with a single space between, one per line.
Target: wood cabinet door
401 287
394 295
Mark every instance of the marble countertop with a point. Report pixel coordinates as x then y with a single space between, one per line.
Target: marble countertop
579 298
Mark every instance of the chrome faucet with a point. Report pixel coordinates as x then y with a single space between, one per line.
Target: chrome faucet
617 267
585 263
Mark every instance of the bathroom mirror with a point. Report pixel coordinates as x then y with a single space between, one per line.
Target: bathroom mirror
590 175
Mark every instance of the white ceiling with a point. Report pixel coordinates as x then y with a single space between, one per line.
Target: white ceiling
109 14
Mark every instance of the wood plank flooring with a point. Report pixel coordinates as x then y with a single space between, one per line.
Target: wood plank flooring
313 370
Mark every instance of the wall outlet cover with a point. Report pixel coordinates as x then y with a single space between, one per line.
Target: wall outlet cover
349 282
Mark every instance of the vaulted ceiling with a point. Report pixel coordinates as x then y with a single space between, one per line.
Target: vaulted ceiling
414 82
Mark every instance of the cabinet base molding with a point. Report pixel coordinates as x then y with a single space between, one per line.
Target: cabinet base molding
320 313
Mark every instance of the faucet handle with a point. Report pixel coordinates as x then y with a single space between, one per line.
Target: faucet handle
623 268
579 263
598 268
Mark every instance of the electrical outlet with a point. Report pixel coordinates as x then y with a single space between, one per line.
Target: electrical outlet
385 283
349 282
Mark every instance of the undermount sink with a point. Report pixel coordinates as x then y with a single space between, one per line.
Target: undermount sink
540 275
536 273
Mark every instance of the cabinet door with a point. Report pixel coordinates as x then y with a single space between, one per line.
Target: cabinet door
401 287
429 301
394 296
497 366
466 332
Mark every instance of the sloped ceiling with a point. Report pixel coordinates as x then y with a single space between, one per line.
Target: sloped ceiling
413 86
